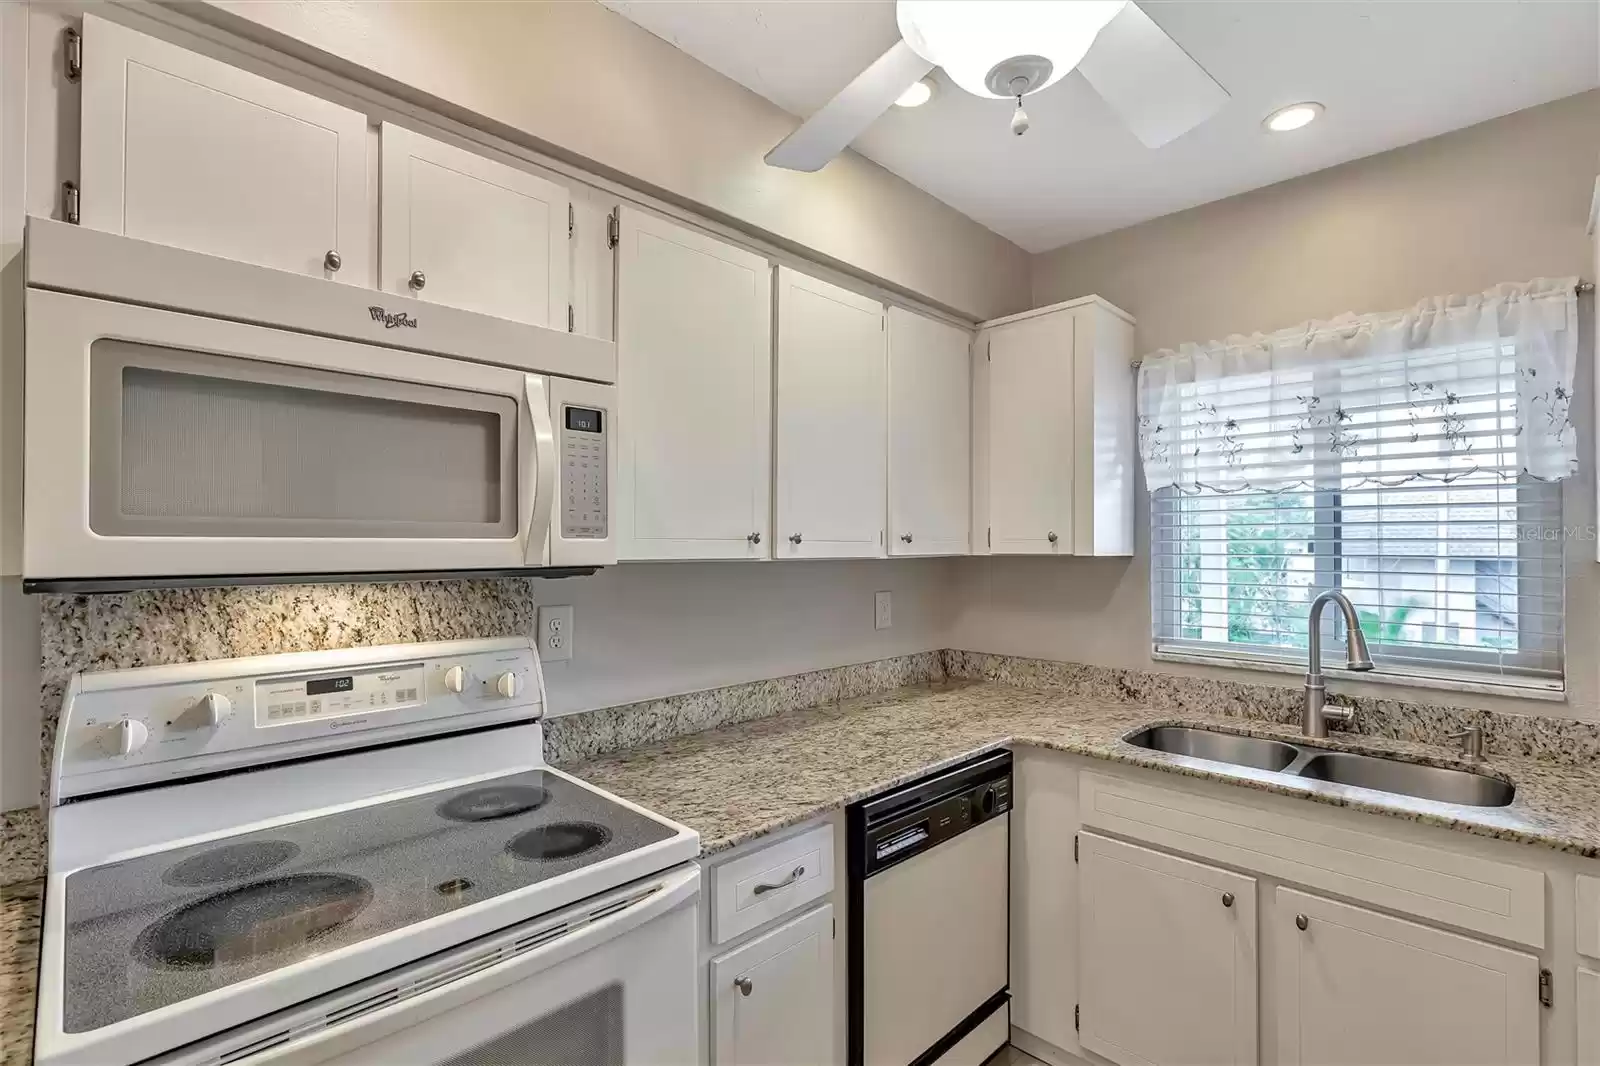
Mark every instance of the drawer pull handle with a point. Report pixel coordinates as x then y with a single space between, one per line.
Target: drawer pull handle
1227 899
744 985
794 875
1301 921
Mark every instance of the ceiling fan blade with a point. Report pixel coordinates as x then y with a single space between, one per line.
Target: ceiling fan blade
842 119
1149 80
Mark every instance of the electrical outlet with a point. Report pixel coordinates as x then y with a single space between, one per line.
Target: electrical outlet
555 634
883 616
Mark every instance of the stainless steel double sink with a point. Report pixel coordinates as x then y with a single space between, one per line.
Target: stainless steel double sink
1336 767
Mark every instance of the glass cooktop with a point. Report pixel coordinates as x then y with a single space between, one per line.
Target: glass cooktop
158 929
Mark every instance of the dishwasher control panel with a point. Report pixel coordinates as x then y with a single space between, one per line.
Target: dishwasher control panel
908 821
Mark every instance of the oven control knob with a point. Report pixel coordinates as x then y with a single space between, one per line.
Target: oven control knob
506 685
455 679
212 709
128 736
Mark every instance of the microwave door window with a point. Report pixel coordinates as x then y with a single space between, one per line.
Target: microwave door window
189 443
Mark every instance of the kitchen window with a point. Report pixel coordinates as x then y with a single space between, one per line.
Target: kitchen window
1412 460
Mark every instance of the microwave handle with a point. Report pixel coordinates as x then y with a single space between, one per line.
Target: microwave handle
544 468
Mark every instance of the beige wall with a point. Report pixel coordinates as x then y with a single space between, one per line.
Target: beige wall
583 83
1503 201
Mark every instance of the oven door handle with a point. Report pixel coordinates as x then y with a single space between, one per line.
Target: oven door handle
543 474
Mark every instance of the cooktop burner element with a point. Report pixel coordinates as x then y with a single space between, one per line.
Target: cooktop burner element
257 919
558 840
231 862
495 801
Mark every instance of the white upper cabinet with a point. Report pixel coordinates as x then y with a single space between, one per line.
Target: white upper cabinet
694 348
831 421
468 231
183 150
1356 987
1167 964
930 436
1053 439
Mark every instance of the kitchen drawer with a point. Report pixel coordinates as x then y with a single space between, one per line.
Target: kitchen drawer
1589 916
1451 887
771 881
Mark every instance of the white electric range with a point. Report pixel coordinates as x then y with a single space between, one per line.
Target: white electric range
356 856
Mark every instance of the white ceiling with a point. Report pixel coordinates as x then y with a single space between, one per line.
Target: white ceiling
1390 72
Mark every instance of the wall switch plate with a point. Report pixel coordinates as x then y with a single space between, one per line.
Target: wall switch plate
555 634
883 614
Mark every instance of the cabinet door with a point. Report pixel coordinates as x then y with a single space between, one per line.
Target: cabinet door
1588 997
831 421
1166 957
465 230
694 366
184 150
1420 995
930 436
1029 420
772 1000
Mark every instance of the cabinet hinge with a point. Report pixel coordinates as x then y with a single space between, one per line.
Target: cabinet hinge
1546 992
72 53
69 202
1074 847
572 222
988 537
835 933
614 229
1076 1018
572 320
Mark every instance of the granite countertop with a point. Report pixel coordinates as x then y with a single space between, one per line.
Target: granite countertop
740 782
20 909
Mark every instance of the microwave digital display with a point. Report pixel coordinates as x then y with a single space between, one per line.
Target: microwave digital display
583 419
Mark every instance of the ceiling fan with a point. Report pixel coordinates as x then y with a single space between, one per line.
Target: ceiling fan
1011 48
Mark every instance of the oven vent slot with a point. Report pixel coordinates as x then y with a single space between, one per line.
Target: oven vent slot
280 1037
455 973
539 939
371 1003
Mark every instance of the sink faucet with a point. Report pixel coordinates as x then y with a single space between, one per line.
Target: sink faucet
1314 720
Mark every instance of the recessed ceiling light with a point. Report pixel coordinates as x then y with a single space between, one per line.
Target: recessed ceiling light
919 93
1292 117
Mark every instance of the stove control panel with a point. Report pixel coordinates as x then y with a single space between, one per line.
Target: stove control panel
128 727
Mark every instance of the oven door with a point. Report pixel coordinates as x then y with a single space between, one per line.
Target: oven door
610 982
165 444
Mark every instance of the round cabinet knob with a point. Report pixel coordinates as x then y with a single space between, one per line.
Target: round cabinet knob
455 679
417 280
213 708
1051 536
506 685
332 261
128 736
754 538
1301 921
1227 899
794 538
744 985
906 537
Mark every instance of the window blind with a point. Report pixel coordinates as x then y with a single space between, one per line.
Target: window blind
1414 468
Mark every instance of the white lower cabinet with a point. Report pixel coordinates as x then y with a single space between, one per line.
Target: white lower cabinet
1358 987
1588 997
1166 957
772 1000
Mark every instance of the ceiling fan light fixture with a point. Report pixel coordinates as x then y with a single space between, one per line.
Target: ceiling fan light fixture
970 38
921 92
1292 117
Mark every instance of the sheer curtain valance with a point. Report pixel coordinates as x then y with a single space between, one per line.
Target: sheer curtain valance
1455 386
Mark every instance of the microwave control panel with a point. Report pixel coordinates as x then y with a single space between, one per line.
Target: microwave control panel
585 492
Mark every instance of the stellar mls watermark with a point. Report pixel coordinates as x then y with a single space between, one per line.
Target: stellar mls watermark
1535 531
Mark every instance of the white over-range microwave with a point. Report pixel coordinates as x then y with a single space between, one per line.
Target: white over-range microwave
189 417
